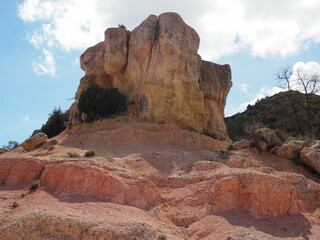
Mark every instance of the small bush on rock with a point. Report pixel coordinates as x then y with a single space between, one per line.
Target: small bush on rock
34 186
90 153
55 123
73 155
14 205
162 237
230 147
11 145
98 102
122 26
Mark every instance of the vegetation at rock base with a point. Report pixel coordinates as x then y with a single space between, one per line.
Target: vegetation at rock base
14 205
11 145
276 113
56 123
230 147
34 186
162 237
98 102
73 155
90 153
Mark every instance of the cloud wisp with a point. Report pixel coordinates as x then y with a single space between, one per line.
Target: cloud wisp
269 28
47 66
26 118
244 87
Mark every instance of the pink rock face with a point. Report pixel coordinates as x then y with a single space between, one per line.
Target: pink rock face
159 70
258 194
311 156
86 180
20 172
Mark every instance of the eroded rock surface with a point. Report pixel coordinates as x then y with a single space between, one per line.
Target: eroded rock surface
290 150
311 156
153 181
157 67
266 138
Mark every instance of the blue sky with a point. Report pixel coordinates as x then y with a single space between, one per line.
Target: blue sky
42 40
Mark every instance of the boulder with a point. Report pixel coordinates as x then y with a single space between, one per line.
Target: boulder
311 156
35 141
159 70
290 150
266 139
262 145
242 144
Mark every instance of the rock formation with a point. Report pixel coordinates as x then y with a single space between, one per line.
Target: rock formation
157 67
35 141
291 150
311 156
266 138
153 181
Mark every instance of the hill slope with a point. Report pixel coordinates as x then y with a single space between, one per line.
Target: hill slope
284 112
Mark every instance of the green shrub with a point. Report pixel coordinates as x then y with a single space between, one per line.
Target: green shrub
236 126
230 147
110 101
99 102
34 186
11 145
55 123
162 237
122 26
90 153
14 205
88 101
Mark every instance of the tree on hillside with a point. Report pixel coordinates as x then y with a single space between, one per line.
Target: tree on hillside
11 145
55 123
308 84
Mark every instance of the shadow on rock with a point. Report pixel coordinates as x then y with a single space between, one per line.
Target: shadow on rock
282 227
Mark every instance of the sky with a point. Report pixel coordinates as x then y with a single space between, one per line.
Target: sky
41 41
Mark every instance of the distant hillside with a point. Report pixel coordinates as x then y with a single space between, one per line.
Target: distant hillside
285 112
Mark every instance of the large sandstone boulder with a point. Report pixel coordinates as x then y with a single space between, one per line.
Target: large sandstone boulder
157 67
35 141
266 138
311 156
242 144
290 150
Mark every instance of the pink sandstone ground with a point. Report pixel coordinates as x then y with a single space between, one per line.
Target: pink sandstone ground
154 181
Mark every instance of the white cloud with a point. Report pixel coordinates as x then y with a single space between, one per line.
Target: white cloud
305 70
76 62
244 87
264 28
26 118
48 65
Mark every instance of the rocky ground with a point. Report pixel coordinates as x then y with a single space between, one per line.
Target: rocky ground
153 181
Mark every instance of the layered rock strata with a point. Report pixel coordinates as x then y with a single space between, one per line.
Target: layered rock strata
157 67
